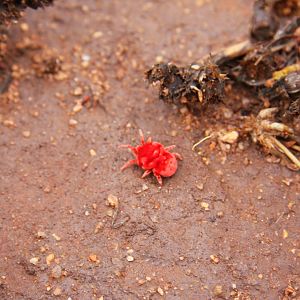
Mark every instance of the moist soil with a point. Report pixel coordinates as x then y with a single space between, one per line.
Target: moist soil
225 226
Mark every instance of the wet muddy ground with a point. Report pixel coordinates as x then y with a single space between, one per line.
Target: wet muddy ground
221 228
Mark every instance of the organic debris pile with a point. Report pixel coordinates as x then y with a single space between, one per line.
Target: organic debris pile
200 85
267 65
12 9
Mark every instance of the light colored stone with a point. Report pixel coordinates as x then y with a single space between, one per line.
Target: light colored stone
34 260
229 137
56 272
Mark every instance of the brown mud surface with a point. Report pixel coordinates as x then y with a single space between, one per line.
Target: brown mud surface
220 228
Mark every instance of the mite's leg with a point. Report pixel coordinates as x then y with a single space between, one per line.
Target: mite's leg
146 173
129 163
133 149
170 147
142 136
158 177
177 155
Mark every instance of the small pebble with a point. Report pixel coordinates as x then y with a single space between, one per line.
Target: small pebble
183 110
77 108
241 146
97 34
85 8
112 201
24 27
227 113
85 64
61 76
41 235
26 133
204 205
34 260
130 258
160 291
99 227
291 205
50 258
93 258
145 187
73 122
109 212
9 123
93 152
57 291
159 59
56 272
230 137
218 290
214 259
220 214
287 181
77 91
47 189
200 186
141 281
57 238
174 133
195 67
86 57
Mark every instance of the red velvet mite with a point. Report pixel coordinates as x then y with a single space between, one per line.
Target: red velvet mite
153 157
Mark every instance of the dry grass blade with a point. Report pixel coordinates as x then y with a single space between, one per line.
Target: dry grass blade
201 141
287 152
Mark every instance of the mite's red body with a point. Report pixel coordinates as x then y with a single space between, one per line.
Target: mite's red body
153 157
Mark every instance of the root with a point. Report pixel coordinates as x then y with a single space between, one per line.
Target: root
287 152
201 141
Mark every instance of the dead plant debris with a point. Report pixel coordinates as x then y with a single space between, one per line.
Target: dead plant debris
266 66
12 9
